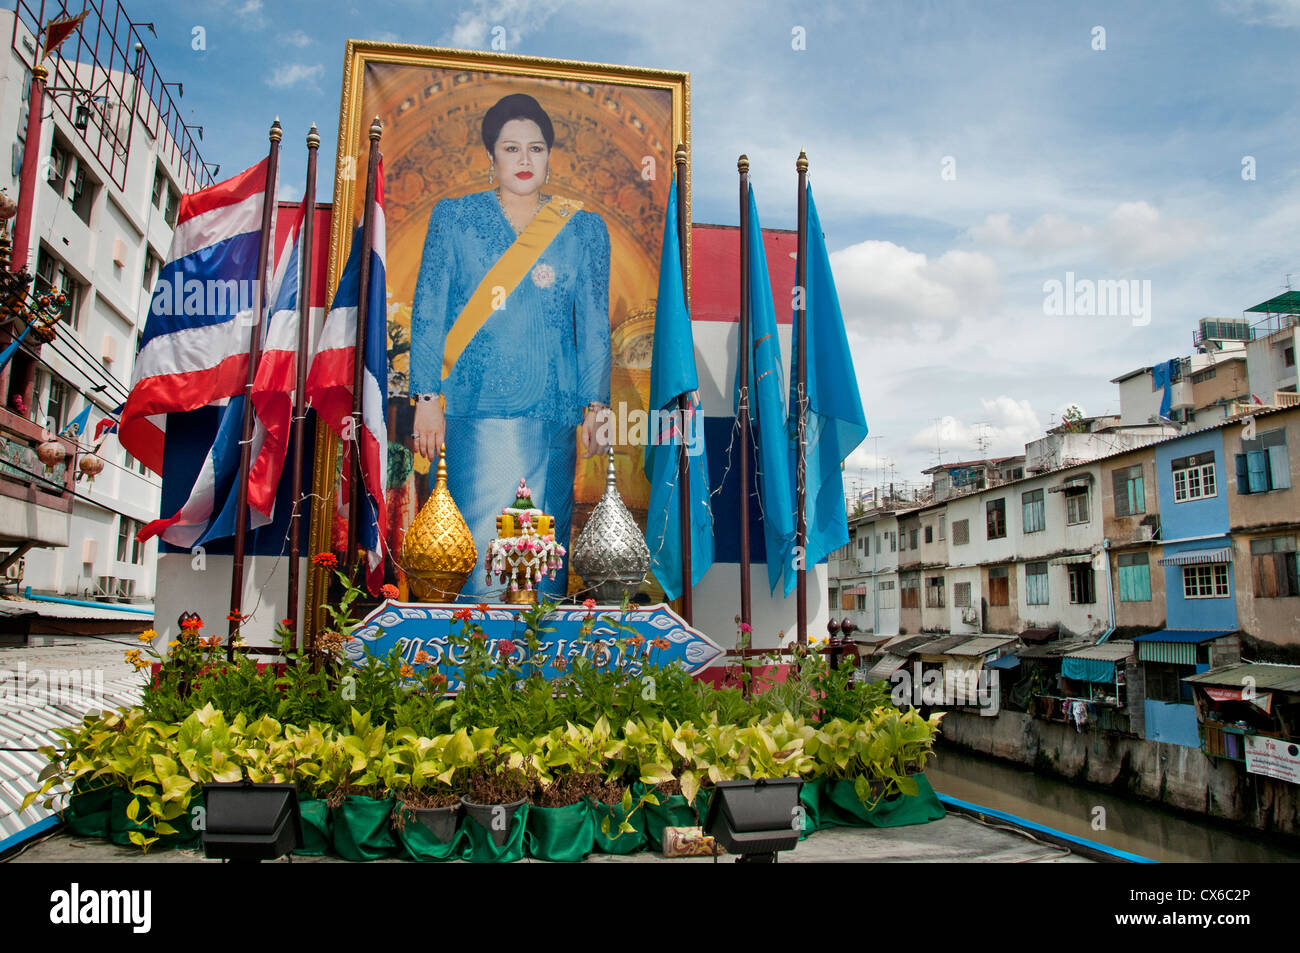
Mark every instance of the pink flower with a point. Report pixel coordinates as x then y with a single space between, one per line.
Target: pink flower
589 603
746 627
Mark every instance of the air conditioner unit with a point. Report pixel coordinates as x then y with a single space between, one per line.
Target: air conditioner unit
105 586
1146 533
89 551
125 588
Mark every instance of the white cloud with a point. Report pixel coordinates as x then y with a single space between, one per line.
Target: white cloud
297 38
493 23
250 10
883 286
292 74
1136 232
1282 13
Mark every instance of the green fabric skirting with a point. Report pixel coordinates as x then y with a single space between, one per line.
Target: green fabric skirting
362 828
561 834
88 812
316 828
845 809
483 845
671 811
431 835
614 842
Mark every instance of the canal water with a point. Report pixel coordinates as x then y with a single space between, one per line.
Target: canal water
1135 826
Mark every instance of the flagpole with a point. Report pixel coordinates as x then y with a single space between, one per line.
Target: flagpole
742 407
684 401
801 398
359 356
254 353
300 374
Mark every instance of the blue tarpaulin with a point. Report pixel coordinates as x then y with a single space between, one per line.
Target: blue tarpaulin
1004 662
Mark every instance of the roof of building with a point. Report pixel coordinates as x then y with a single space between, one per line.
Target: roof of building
982 645
1288 302
1106 651
1054 649
1282 678
60 610
1196 636
990 462
86 675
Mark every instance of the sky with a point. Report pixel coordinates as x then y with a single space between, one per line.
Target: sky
963 157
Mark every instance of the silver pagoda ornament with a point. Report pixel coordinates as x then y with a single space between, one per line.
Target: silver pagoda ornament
611 554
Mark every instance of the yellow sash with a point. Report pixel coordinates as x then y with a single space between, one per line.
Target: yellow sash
506 273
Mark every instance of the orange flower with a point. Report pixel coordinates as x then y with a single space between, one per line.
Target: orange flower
423 658
388 591
636 641
660 643
234 617
192 624
483 608
328 560
462 615
437 680
407 671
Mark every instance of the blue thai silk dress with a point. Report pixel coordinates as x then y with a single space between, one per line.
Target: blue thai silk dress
519 389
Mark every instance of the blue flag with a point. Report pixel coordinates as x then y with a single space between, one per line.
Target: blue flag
767 408
835 422
77 426
672 373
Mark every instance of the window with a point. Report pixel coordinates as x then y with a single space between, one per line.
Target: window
56 406
1202 376
1082 586
152 266
82 194
961 595
1164 682
1077 505
173 204
1288 356
893 540
1134 577
995 525
1264 464
999 587
127 544
861 603
1205 582
159 187
1194 478
1130 496
885 595
53 275
1036 593
911 538
60 159
865 543
961 532
942 525
1035 515
902 542
934 592
1273 567
929 534
879 548
911 587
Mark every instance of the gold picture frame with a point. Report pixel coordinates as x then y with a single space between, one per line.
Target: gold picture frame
426 98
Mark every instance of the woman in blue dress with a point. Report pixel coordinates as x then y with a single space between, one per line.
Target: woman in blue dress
510 327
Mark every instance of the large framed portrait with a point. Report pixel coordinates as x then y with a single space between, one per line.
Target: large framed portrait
525 202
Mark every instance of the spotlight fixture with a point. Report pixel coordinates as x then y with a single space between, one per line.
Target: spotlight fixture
755 818
249 823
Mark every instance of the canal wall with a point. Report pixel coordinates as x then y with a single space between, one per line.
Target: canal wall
1173 775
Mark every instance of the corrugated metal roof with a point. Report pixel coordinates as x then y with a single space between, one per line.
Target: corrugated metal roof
982 645
1196 636
1195 557
940 645
1281 678
85 676
886 666
904 645
1106 652
1053 649
1072 560
61 610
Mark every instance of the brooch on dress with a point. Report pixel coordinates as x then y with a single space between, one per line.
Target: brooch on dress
543 275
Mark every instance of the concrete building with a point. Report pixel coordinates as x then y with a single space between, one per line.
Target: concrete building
114 160
1271 352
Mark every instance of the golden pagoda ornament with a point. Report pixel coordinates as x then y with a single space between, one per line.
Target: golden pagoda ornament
438 553
525 550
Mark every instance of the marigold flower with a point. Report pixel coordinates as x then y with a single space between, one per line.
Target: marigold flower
192 624
423 658
172 644
589 603
636 641
407 671
388 591
328 560
462 615
505 647
148 635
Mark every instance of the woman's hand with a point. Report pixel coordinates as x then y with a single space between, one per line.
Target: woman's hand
430 428
593 434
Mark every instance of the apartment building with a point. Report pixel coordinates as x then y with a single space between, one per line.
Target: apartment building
114 160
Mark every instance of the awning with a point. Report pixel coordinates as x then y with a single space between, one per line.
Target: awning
1072 483
1105 651
981 646
1038 635
1175 646
886 666
1087 669
1074 560
1194 557
1283 678
1004 662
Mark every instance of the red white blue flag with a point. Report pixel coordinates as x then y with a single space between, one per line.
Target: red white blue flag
329 383
194 350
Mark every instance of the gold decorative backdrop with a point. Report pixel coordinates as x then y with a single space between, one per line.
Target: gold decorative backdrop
615 132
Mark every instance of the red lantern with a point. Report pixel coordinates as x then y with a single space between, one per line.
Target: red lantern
91 466
51 453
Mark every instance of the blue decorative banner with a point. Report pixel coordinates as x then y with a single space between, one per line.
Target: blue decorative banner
425 627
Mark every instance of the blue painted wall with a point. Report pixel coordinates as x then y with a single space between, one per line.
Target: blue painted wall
1172 724
1195 518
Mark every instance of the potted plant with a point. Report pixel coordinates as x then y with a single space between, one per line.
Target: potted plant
426 820
495 803
561 823
360 811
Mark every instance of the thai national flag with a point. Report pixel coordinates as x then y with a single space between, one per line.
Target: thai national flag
329 382
194 350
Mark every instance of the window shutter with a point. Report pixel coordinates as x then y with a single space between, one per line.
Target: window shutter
1243 476
1121 492
1257 471
1279 465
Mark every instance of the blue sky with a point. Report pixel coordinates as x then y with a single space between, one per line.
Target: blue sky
1122 162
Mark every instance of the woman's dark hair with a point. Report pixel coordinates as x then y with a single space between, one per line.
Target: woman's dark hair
515 106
